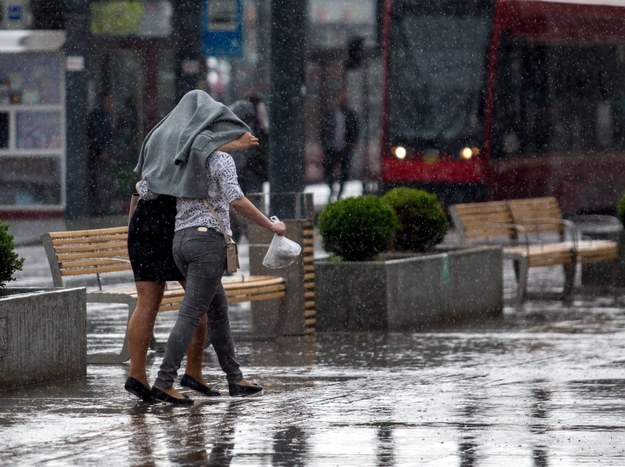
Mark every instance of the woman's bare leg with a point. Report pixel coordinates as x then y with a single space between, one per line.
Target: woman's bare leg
141 325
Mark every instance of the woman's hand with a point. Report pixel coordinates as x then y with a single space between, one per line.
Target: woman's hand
245 207
278 228
245 141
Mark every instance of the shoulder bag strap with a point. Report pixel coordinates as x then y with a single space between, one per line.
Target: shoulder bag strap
222 227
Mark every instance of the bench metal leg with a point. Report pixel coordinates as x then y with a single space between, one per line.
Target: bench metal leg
124 354
158 346
569 281
522 271
614 279
610 286
106 358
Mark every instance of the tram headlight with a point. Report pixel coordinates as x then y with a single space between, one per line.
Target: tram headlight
399 152
467 153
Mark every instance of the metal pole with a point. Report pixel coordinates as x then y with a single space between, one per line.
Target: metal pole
77 34
286 139
187 43
263 30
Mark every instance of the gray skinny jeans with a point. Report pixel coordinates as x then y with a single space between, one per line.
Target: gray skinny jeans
201 257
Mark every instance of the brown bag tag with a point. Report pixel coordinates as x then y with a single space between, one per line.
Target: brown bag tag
232 253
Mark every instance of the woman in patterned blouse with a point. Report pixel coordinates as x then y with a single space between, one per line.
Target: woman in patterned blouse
200 254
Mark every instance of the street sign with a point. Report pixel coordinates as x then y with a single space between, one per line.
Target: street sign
222 28
15 12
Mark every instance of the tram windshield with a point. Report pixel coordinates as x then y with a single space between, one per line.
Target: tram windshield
437 73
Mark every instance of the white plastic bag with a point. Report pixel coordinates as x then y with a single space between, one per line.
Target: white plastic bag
282 252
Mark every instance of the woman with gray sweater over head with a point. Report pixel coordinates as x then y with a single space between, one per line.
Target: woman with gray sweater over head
150 244
180 158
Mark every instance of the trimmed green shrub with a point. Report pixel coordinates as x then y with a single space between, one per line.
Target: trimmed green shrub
620 209
357 229
10 261
422 221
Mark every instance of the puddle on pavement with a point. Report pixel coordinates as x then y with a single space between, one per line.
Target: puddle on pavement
542 386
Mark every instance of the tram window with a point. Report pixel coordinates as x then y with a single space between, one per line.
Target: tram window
4 131
558 98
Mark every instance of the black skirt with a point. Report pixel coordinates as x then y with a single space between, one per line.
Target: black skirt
150 238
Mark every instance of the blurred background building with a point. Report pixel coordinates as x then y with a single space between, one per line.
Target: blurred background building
58 57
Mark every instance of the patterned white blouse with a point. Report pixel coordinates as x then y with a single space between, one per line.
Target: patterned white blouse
223 188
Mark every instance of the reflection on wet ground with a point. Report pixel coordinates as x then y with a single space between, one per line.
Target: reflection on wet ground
542 386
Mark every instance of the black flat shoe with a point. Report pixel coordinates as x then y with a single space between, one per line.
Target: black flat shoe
164 397
136 387
194 384
238 390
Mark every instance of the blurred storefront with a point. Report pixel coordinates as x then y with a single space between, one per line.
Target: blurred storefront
129 50
334 28
132 59
32 118
145 54
343 53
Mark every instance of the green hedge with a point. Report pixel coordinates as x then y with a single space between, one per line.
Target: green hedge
357 229
620 209
422 220
10 261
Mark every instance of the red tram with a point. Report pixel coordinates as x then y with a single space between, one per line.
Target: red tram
494 99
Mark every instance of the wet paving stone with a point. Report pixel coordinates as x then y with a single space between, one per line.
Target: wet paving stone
541 386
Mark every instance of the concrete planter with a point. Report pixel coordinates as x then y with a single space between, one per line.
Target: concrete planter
43 335
412 293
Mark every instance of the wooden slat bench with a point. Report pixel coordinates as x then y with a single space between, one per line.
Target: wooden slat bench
532 233
104 251
542 216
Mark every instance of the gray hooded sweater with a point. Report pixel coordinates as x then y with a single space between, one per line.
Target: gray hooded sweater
173 155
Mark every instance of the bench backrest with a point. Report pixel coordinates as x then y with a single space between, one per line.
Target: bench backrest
482 222
85 252
495 220
537 215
